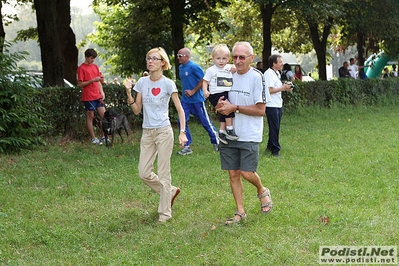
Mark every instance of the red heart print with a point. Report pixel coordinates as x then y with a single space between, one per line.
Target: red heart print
155 91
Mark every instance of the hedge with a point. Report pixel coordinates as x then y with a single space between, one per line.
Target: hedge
342 92
67 115
64 115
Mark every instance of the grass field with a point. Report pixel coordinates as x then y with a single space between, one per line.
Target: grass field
80 204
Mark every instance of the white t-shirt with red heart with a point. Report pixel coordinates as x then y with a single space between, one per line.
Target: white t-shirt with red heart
156 96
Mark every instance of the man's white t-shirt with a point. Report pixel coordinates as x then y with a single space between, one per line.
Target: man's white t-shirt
248 89
353 70
273 80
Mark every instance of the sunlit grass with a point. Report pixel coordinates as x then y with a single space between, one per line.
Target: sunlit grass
80 204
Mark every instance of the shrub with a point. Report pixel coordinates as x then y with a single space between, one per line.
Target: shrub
67 117
21 122
342 92
23 109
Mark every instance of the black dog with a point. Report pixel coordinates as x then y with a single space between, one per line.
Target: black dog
112 123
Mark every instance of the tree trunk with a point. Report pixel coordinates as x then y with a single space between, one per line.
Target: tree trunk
266 11
177 11
68 49
2 32
360 51
320 45
46 16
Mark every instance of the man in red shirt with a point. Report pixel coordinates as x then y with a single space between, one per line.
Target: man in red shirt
89 78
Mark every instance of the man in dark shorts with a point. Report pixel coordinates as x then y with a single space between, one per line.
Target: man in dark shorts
247 97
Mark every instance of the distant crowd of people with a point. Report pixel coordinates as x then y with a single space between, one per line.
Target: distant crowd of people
286 73
352 70
390 74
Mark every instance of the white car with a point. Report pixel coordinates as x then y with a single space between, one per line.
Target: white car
292 61
307 78
38 76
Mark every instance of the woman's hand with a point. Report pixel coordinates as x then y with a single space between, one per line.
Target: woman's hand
128 85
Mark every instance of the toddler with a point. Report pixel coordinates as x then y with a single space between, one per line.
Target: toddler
219 78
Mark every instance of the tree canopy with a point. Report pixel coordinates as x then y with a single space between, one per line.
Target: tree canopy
129 28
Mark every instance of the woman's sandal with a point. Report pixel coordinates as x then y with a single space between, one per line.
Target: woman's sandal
269 204
233 220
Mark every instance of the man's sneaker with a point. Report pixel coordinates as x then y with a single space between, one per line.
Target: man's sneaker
216 147
185 151
103 140
222 137
231 134
95 141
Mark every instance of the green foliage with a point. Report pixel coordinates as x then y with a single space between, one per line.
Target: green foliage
127 32
342 92
28 34
129 29
210 18
68 116
375 21
21 119
290 31
240 27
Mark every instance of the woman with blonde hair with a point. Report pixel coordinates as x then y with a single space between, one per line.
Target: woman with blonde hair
153 95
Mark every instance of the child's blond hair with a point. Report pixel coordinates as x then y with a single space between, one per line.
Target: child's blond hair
220 48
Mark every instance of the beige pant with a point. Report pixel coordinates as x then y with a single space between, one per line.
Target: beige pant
158 141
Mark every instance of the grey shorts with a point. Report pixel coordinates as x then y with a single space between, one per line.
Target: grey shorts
238 155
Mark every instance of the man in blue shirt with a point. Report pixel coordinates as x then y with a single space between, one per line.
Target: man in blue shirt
193 100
